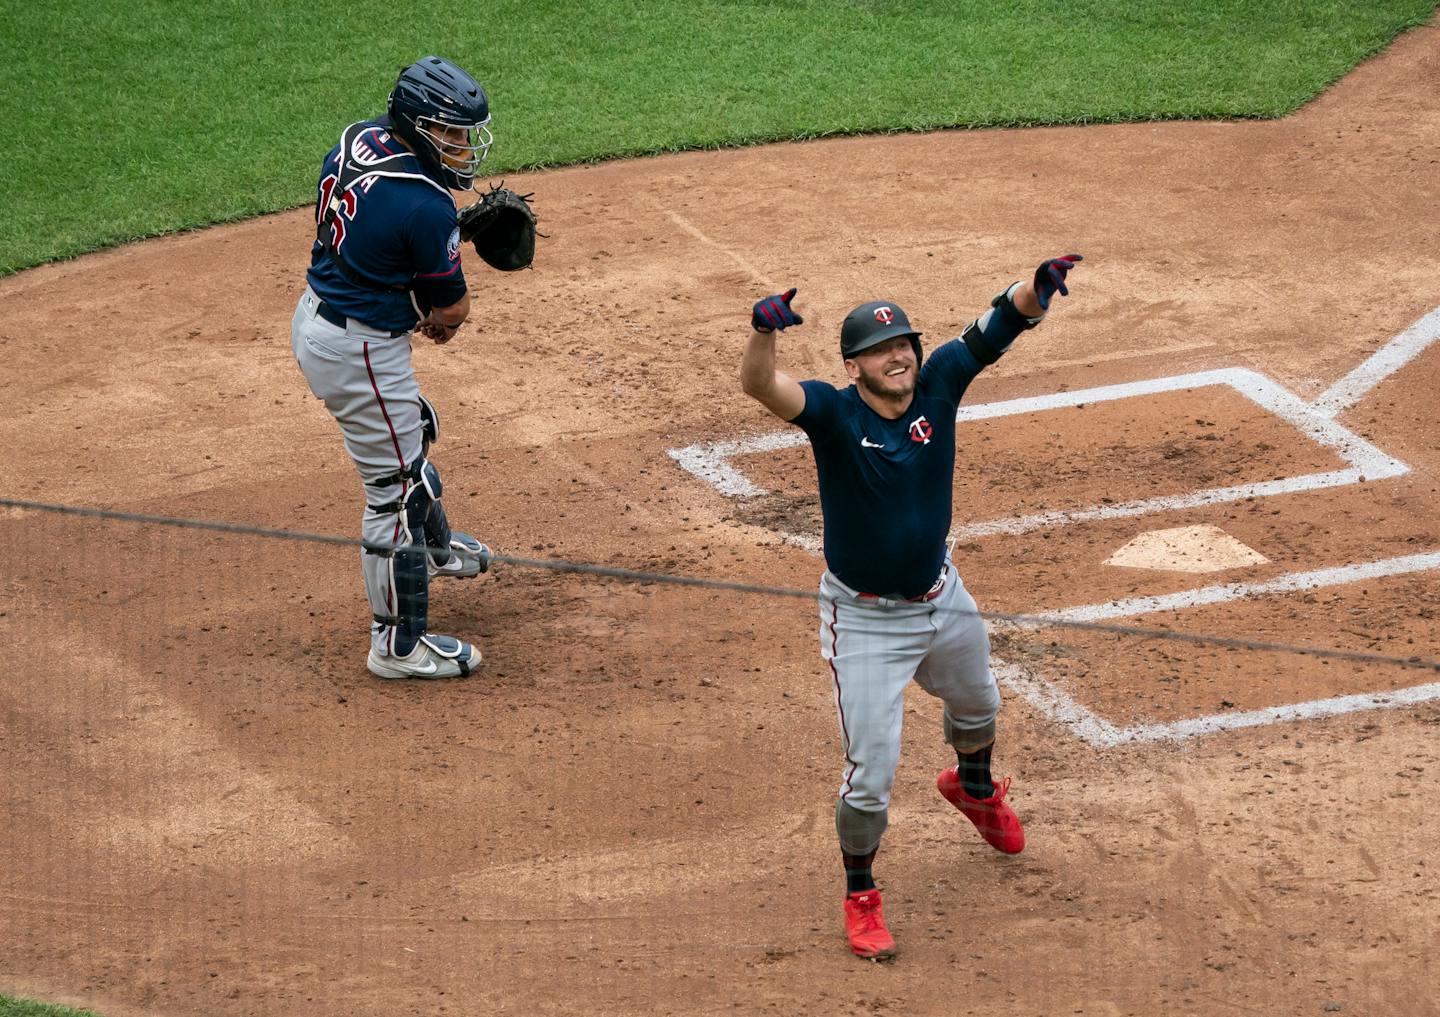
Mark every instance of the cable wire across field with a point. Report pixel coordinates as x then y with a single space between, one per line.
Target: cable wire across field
1011 620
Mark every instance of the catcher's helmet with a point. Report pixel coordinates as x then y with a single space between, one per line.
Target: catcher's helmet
873 323
434 94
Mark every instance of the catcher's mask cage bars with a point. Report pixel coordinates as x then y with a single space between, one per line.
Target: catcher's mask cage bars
463 159
611 572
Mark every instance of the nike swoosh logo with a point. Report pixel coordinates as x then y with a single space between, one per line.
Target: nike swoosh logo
429 668
867 443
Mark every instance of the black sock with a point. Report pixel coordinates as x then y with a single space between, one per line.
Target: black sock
857 873
975 772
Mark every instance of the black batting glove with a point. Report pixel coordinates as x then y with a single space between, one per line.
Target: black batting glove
1050 277
775 312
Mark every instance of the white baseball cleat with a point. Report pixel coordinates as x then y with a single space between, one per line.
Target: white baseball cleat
433 657
474 559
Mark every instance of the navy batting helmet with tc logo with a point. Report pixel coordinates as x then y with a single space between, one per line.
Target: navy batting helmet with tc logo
873 323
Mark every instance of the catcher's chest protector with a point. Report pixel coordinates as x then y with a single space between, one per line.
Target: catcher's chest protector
356 163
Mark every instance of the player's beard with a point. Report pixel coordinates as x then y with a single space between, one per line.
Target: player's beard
889 389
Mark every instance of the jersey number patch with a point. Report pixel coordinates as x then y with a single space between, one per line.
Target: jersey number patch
347 208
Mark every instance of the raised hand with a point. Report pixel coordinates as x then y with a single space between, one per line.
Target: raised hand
1050 277
775 312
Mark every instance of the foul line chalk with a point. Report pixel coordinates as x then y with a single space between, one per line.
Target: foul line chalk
694 231
1394 355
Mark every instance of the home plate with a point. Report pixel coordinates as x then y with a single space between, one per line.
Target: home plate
1186 549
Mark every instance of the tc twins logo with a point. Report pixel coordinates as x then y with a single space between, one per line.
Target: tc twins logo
920 430
884 315
369 148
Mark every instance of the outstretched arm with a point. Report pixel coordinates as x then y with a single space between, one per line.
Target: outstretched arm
759 378
775 390
1018 308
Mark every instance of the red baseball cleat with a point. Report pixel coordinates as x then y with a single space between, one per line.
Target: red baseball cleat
995 820
865 926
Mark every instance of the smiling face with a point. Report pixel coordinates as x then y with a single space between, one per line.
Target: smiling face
886 370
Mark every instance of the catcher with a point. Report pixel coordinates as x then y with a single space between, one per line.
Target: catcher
385 263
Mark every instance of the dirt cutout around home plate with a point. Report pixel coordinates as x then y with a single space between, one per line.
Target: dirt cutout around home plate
212 808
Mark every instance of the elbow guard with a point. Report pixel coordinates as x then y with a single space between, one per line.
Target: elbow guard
991 334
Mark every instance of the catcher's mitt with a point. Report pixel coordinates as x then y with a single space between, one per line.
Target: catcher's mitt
501 225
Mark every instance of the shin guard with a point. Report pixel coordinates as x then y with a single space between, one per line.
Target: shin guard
397 582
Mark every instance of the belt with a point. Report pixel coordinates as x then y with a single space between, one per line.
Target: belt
924 598
339 320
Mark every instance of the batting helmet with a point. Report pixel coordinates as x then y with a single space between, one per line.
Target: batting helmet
873 323
434 94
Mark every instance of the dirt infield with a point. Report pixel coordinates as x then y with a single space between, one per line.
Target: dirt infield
212 808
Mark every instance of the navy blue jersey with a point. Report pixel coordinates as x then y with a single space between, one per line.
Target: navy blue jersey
886 486
393 230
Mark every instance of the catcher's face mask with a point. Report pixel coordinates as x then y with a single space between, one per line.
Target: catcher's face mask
461 147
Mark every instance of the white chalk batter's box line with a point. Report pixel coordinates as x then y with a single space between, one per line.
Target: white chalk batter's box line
711 463
1094 730
1059 706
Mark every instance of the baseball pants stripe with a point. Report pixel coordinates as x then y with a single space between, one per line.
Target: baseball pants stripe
875 649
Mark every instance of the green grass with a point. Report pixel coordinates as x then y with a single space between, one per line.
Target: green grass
128 120
11 1006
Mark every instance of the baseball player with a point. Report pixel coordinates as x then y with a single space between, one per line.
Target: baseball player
892 605
386 263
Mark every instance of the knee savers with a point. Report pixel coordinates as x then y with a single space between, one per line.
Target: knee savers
429 424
